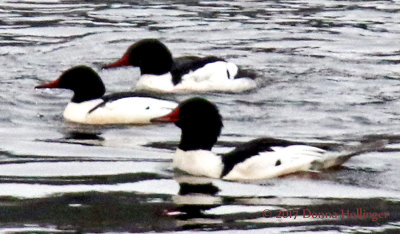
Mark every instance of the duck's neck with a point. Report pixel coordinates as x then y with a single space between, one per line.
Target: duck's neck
87 95
158 65
199 139
156 69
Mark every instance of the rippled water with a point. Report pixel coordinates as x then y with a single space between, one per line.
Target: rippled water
328 71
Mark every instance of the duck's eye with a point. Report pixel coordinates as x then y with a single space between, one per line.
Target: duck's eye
278 163
147 108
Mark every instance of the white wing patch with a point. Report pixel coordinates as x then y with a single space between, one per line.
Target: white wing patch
130 110
215 71
281 161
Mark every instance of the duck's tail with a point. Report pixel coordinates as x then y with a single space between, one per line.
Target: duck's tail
338 158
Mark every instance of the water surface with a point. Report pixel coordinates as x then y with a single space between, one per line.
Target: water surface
328 72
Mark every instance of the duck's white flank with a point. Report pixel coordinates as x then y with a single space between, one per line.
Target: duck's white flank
130 110
281 161
217 76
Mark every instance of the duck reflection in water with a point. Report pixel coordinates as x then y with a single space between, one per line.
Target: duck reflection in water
196 195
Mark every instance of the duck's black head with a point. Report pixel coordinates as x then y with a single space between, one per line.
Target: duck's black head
150 55
83 80
199 121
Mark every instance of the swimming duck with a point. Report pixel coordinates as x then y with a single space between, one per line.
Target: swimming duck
160 72
201 124
89 106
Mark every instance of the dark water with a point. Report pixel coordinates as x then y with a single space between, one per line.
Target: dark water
328 71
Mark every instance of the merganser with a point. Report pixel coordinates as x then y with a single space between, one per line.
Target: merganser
262 158
89 106
161 73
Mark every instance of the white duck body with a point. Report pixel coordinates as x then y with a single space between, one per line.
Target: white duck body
281 161
216 76
128 110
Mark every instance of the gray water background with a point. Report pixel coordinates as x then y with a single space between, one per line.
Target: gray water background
328 72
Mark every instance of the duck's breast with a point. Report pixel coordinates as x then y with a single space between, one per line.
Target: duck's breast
156 83
198 162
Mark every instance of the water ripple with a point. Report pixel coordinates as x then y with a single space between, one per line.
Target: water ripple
327 70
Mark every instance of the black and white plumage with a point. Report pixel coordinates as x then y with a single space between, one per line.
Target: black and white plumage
160 72
89 106
263 158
